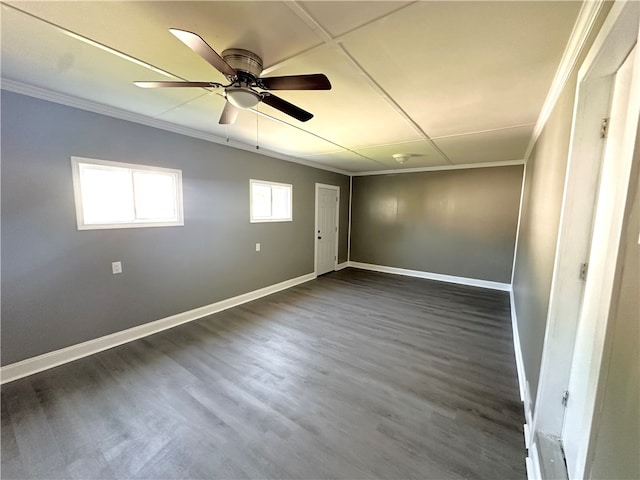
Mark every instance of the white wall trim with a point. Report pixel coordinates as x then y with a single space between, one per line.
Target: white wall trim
532 462
473 282
523 384
27 367
517 348
342 266
95 107
579 35
439 168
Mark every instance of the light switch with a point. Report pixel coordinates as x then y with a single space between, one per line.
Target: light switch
257 247
116 267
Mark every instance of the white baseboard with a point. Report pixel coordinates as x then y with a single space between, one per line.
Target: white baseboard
517 349
48 360
342 266
523 384
532 463
527 435
474 282
532 460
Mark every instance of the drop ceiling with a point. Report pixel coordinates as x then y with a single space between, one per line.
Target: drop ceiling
449 83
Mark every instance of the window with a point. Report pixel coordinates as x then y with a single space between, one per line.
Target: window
122 195
270 202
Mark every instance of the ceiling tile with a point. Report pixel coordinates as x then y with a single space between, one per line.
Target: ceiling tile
201 113
141 29
345 160
250 129
352 113
459 67
496 146
292 140
344 16
422 154
61 63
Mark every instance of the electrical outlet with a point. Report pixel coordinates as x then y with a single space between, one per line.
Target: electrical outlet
257 247
116 267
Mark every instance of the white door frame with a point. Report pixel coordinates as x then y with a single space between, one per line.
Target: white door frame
315 223
567 326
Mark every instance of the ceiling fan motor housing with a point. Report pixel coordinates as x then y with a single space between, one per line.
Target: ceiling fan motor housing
248 66
243 61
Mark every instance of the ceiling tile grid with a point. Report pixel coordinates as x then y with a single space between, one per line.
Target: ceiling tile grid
447 83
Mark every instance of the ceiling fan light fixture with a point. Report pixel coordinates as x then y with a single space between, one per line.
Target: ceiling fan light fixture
242 97
242 69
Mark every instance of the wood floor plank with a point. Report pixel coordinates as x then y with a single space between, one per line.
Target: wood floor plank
354 375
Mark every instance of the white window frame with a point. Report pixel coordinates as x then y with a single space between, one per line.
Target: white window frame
253 182
136 223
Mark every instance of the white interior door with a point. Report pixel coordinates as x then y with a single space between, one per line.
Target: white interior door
327 197
589 341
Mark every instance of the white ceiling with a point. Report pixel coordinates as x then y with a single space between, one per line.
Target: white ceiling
451 83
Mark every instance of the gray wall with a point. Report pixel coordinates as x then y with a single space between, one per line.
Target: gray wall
455 222
540 220
57 286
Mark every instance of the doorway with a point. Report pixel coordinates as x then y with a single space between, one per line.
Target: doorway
326 228
597 181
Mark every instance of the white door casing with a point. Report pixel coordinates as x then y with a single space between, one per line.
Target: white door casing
572 250
592 324
326 228
589 230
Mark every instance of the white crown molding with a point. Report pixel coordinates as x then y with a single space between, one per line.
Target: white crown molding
579 35
95 107
30 366
439 168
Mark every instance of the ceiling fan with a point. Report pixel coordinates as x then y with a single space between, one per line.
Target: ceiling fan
242 69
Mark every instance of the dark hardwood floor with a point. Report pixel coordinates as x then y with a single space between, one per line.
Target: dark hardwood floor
354 375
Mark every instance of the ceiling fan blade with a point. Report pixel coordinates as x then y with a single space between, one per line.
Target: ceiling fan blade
286 107
176 84
202 48
229 114
314 81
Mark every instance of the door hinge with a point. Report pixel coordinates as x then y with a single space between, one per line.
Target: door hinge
604 128
584 268
565 398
